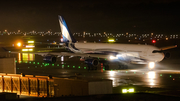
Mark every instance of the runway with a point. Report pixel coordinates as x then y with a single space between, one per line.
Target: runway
164 79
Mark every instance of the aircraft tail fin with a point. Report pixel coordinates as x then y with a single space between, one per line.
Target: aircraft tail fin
67 35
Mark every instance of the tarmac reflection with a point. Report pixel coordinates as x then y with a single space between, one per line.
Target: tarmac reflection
151 77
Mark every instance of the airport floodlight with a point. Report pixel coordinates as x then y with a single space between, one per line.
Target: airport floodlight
30 46
131 90
30 41
151 65
26 50
124 91
19 44
30 49
111 40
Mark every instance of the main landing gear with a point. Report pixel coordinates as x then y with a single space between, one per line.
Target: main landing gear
91 67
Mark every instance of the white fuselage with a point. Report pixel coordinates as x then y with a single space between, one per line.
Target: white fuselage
144 51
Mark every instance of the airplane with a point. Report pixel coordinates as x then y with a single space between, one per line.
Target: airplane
94 53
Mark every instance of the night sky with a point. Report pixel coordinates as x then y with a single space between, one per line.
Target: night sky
115 16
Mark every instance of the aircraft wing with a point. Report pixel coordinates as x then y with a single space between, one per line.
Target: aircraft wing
58 54
121 56
168 47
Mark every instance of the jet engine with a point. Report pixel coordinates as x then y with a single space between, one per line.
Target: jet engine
167 55
50 59
93 62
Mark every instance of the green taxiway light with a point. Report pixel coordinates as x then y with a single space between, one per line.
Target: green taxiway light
68 66
84 67
28 67
38 63
17 68
29 62
79 67
170 76
134 72
52 64
160 74
62 65
16 61
34 62
35 66
73 66
57 64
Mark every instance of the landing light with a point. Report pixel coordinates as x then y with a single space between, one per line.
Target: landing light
151 65
113 57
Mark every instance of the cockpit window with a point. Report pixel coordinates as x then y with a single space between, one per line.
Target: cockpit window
157 51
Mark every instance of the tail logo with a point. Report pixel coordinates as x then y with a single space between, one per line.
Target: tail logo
67 36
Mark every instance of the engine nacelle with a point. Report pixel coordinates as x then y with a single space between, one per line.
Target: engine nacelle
50 59
167 55
93 62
